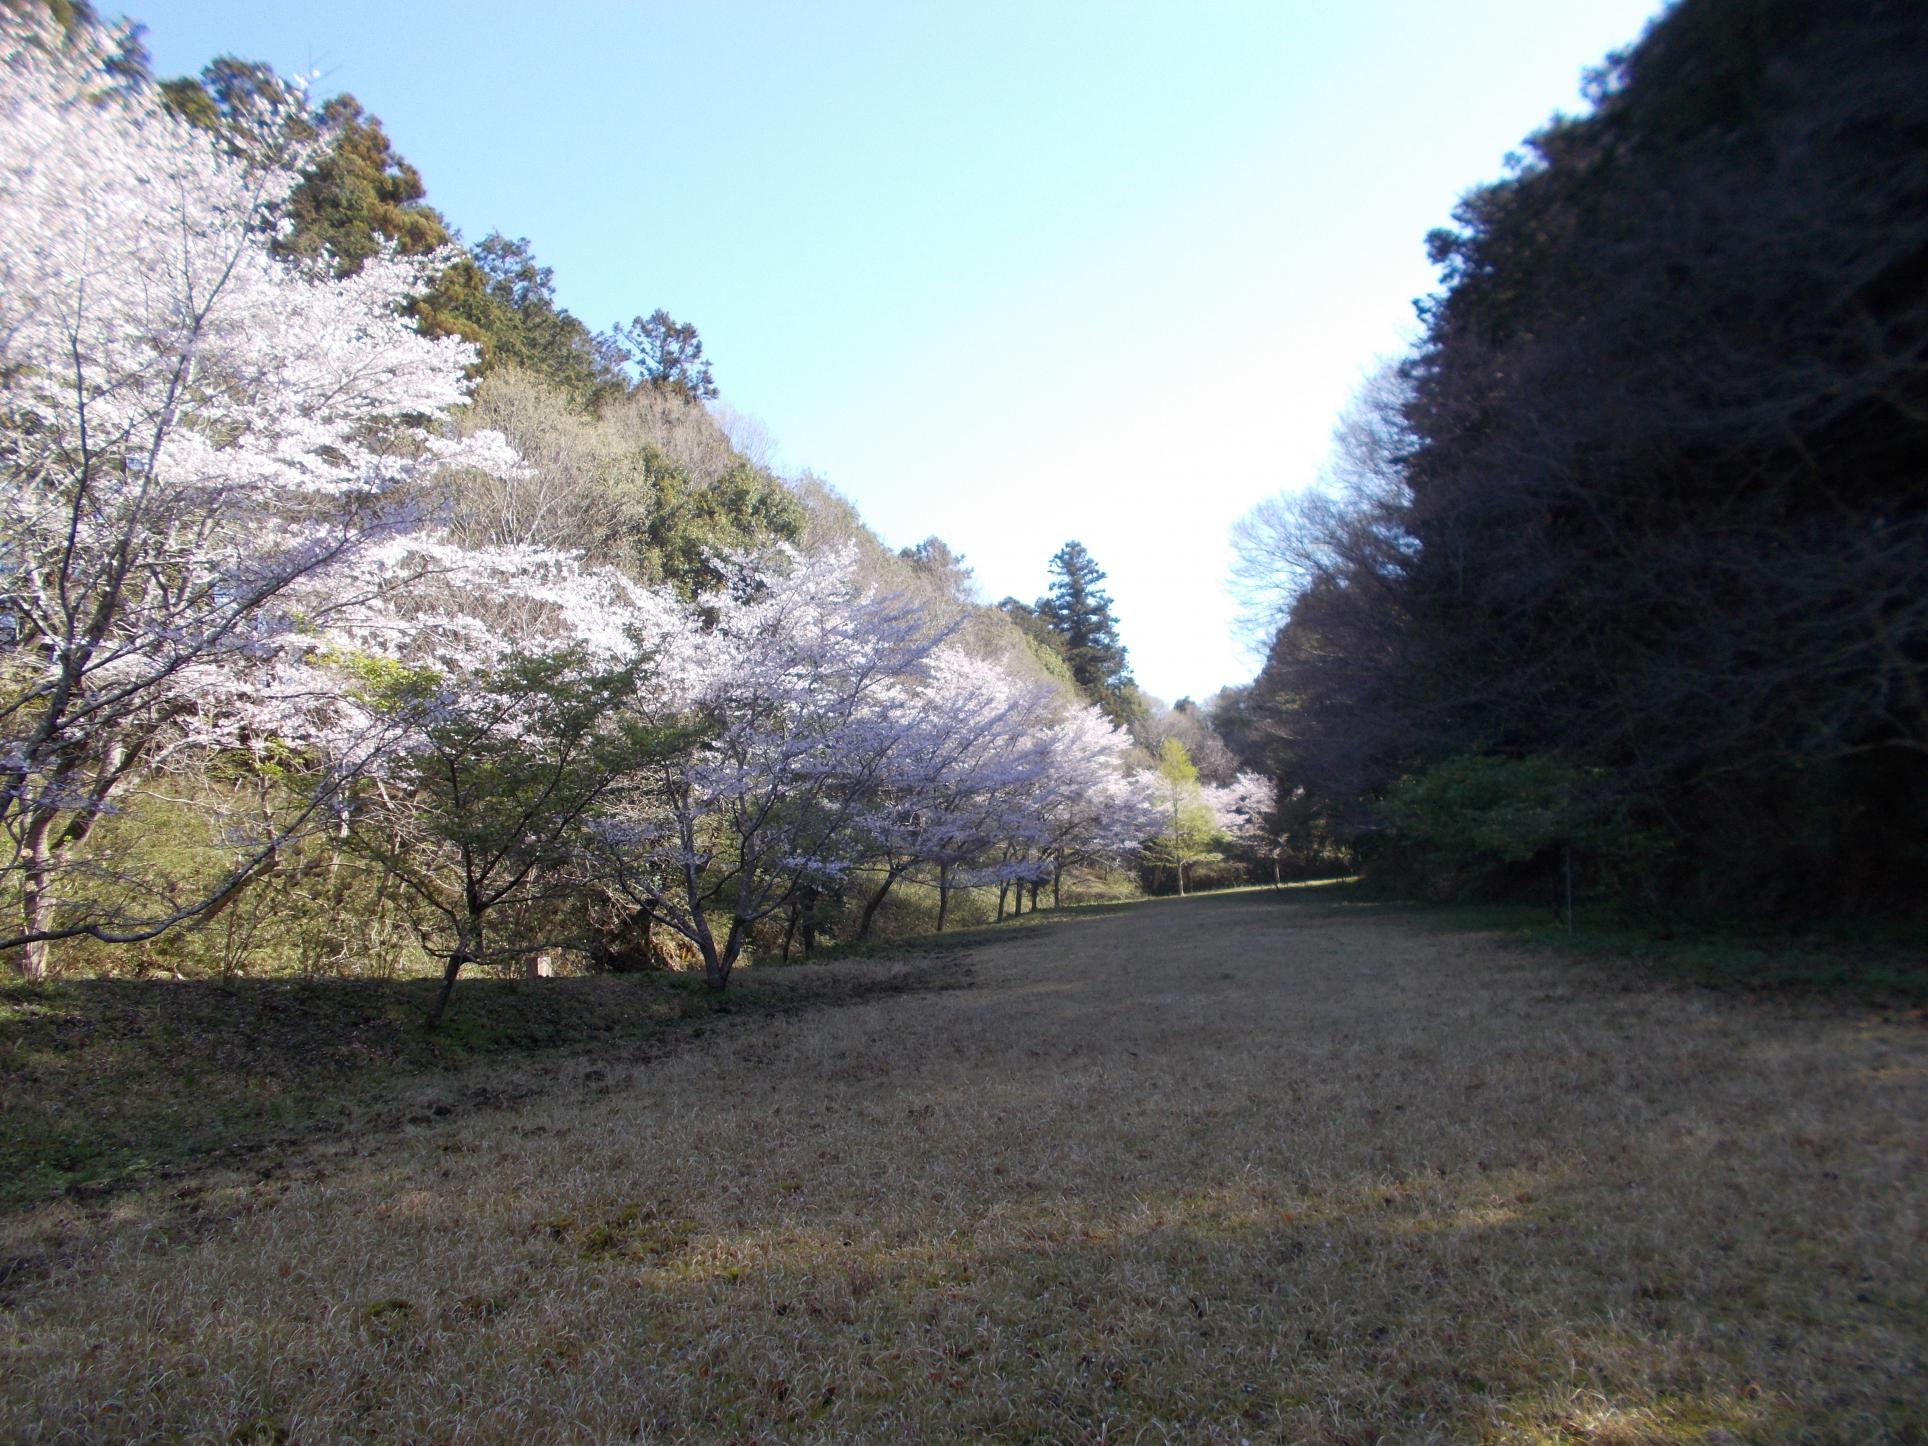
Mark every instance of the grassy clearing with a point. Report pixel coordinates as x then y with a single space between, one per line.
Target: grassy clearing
1877 965
1231 1168
110 1082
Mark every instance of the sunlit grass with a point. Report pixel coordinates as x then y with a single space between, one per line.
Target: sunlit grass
1224 1169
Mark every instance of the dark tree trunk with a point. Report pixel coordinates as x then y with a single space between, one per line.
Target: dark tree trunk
718 964
809 896
875 901
943 894
37 899
458 956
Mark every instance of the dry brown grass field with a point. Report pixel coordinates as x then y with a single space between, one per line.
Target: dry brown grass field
1220 1169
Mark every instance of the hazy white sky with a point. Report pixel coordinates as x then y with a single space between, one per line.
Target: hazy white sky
1006 271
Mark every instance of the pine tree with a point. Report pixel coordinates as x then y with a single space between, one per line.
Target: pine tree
1078 611
668 353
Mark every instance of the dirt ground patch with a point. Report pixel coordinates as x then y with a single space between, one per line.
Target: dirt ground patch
1233 1168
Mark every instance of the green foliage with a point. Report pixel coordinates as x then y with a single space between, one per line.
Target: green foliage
230 93
386 684
1477 809
72 15
536 736
505 301
668 353
508 771
1190 834
357 197
1477 823
1043 645
361 195
311 910
1072 634
1175 767
647 481
945 570
1048 656
671 527
189 99
506 779
1077 611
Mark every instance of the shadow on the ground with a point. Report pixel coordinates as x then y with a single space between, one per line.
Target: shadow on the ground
112 1082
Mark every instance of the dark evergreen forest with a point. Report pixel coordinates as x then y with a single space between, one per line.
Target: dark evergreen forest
1626 564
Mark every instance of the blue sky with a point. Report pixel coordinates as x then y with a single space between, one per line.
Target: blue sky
1009 273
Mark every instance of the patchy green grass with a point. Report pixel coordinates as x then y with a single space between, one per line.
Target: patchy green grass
1227 1169
108 1082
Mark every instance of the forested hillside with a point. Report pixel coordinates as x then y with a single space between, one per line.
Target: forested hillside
1625 568
367 612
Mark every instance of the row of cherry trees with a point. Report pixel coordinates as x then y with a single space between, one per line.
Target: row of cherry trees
229 554
704 766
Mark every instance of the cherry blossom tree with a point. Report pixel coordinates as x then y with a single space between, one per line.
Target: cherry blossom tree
202 447
801 684
1243 810
972 760
1076 801
1093 807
